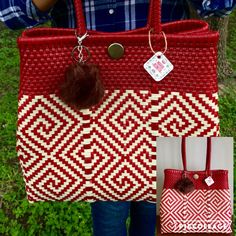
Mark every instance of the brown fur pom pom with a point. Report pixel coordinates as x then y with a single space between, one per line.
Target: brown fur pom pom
185 185
82 87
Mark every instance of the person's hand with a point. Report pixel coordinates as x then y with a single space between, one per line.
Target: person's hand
44 5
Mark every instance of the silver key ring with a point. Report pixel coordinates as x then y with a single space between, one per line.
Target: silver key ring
80 48
80 58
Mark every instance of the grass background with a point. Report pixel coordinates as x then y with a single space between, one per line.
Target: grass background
17 216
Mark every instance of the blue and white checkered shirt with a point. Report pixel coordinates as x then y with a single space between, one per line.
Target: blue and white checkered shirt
106 15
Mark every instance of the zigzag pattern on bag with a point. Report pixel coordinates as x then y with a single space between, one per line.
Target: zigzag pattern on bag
201 211
107 152
185 114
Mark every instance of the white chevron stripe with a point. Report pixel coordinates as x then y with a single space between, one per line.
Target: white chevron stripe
168 115
46 148
114 108
196 211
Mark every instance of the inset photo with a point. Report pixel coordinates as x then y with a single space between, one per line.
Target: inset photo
195 186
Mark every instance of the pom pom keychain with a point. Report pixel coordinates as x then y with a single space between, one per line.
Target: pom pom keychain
82 87
185 185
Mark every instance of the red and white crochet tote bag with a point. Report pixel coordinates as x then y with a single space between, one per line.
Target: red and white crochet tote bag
197 207
108 152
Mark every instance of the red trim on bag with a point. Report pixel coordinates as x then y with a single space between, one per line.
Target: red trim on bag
220 178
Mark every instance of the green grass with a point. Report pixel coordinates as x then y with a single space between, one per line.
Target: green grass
17 216
232 42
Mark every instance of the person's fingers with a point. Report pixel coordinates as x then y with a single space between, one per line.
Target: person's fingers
44 5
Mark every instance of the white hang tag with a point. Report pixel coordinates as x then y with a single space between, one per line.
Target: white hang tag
209 181
158 66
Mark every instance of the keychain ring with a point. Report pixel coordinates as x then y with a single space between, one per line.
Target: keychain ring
184 175
150 41
83 47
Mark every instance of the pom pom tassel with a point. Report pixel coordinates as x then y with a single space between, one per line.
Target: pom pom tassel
82 87
185 185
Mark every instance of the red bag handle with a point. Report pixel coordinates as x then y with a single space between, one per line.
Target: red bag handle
208 154
154 18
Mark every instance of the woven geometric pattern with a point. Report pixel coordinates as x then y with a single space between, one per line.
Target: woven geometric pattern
106 152
185 114
201 211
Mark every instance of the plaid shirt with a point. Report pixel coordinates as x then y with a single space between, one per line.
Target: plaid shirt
106 15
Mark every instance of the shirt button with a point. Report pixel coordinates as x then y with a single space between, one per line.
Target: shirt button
208 3
111 11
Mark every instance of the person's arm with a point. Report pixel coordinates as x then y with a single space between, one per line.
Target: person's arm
44 5
220 8
19 14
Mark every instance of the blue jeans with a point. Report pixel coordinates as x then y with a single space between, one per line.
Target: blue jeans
109 218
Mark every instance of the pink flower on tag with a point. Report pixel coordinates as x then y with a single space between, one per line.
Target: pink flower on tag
159 66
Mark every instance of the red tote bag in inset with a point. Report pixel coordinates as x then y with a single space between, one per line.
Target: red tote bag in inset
108 151
196 201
